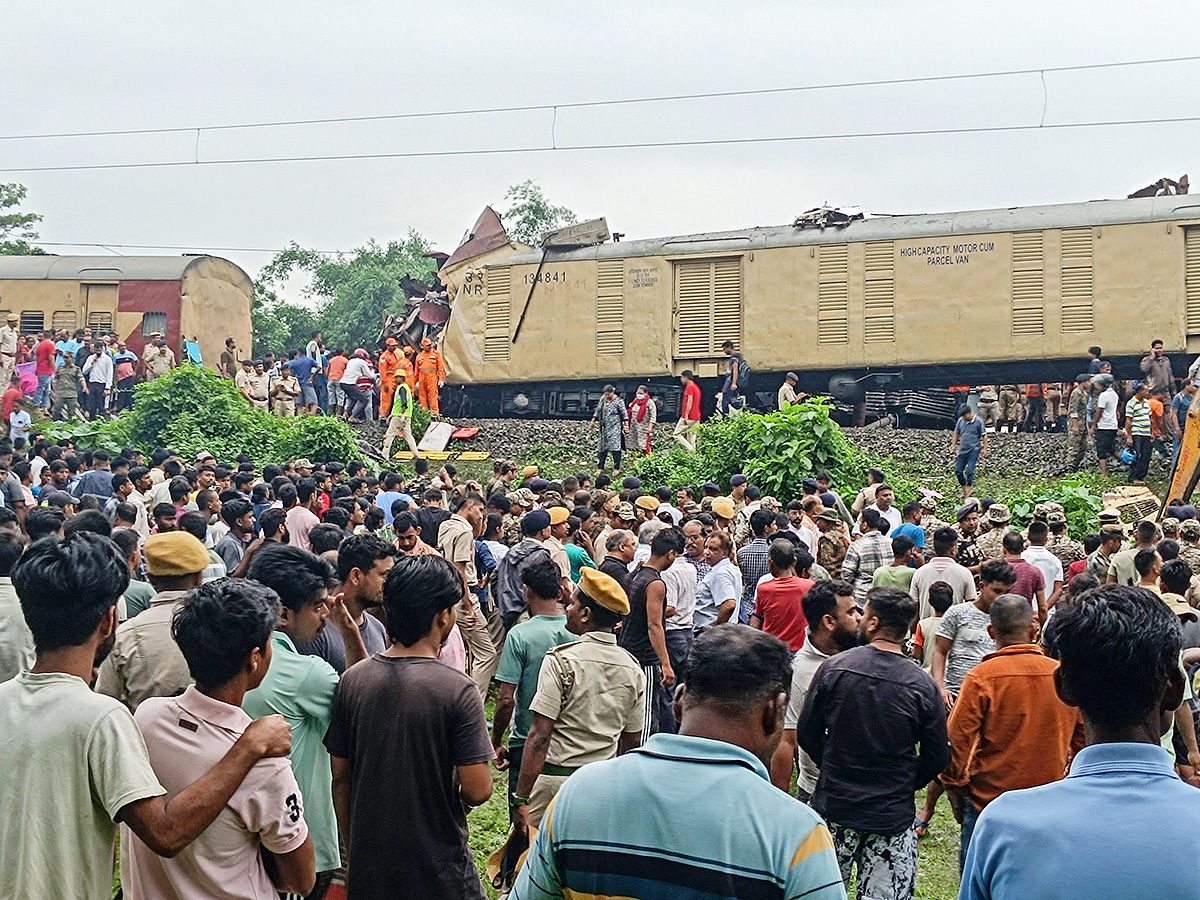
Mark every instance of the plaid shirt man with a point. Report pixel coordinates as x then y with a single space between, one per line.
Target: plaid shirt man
752 560
870 552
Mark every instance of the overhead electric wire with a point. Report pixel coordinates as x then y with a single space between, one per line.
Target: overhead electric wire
625 145
582 104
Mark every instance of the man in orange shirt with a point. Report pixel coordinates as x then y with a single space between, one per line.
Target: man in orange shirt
1162 426
389 362
334 373
431 376
1035 407
1008 729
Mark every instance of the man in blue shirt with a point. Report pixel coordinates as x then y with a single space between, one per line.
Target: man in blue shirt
627 827
391 492
1122 825
302 367
911 527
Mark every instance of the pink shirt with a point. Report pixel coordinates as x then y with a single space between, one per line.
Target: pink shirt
186 736
454 652
300 521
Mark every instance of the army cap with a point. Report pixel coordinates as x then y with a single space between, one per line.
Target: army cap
1189 529
1170 526
603 590
1054 517
625 511
998 514
928 503
770 504
828 515
524 497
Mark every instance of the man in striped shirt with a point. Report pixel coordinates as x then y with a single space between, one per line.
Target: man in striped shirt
1138 433
627 828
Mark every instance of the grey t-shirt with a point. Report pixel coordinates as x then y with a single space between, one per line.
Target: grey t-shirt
331 646
966 625
970 434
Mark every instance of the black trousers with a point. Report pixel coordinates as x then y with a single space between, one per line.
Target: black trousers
1142 447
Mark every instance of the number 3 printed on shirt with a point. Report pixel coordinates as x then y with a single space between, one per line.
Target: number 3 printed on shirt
293 805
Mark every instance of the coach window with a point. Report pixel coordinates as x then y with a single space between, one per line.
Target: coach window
32 320
152 322
63 319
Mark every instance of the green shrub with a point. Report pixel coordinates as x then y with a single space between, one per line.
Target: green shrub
776 451
192 409
1080 495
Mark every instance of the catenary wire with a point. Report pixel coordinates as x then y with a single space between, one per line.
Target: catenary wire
627 145
582 104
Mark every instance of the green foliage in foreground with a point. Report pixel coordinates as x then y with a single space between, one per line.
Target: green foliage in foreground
193 409
776 451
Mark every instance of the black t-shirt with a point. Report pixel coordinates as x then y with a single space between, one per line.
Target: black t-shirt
635 633
429 520
406 724
874 723
613 567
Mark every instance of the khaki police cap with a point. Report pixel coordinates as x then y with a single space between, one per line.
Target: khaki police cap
647 502
558 514
603 589
723 507
174 553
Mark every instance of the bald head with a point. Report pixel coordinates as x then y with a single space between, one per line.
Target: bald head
1012 620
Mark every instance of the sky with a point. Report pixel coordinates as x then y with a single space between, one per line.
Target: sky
85 67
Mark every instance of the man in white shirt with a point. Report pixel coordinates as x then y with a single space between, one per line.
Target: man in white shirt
942 567
98 370
1044 561
884 500
1104 422
681 582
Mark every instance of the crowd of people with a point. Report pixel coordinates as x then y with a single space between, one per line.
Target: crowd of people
355 385
266 678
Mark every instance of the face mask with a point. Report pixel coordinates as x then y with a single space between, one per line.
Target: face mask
641 396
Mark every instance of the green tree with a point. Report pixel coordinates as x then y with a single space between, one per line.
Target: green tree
16 228
352 289
530 214
280 326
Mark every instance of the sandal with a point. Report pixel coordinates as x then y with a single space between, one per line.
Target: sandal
920 826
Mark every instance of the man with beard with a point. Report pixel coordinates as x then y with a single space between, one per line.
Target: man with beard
832 627
871 710
363 562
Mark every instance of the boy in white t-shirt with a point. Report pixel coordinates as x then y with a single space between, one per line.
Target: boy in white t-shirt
19 421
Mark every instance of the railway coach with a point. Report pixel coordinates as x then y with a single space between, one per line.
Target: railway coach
875 303
191 297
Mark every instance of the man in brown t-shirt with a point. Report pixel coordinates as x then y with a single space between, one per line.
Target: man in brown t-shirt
410 749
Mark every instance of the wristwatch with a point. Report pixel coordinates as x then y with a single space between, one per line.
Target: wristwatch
520 801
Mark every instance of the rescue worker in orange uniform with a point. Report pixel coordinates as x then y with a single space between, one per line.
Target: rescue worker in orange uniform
408 366
389 362
431 375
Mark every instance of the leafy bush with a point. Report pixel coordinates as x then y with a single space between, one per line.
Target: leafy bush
1080 498
776 451
192 409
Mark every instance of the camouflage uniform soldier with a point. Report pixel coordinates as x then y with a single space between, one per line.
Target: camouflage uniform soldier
968 533
1077 424
989 407
929 520
1010 407
833 543
1170 528
1189 548
522 501
991 544
1060 543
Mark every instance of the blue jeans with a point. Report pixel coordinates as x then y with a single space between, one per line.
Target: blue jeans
964 466
970 817
42 397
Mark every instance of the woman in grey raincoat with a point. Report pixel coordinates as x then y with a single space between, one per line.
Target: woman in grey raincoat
610 414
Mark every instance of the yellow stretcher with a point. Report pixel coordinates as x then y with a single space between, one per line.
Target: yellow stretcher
1187 467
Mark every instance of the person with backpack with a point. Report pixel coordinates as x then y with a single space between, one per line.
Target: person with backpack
737 381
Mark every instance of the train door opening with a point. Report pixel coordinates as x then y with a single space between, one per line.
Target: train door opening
708 312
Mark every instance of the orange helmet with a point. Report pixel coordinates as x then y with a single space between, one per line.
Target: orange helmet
392 342
426 343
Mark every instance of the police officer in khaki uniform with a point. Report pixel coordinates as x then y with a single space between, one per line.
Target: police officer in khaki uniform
10 333
989 406
1010 407
991 542
589 701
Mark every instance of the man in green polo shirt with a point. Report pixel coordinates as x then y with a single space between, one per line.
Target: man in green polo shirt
520 662
300 687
